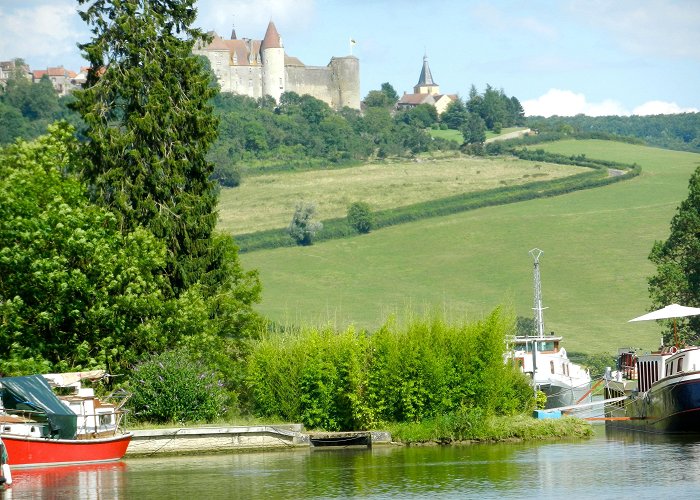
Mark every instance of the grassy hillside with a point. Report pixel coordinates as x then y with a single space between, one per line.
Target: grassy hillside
268 201
594 268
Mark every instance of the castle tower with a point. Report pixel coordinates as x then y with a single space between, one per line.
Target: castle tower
346 78
425 84
272 53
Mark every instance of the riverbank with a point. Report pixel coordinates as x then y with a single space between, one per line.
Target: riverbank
432 432
471 428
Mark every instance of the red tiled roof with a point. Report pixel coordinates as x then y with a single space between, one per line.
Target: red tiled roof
272 39
59 71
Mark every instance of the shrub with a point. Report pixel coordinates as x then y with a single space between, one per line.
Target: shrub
228 175
303 228
360 217
172 387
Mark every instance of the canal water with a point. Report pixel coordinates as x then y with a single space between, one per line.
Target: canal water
610 465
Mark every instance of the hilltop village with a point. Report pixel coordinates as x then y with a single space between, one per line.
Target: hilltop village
260 67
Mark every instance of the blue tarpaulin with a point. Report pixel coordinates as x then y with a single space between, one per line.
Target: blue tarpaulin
33 392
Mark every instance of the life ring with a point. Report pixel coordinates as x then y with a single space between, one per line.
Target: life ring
673 349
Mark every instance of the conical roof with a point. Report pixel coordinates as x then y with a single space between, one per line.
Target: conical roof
272 39
426 78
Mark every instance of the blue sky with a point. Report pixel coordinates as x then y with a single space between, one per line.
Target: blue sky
596 57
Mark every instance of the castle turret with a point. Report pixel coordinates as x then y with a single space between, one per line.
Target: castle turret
272 52
346 78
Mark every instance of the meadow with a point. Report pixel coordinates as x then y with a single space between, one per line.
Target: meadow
456 135
268 201
594 267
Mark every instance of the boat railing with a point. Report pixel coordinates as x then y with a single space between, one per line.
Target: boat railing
99 426
38 416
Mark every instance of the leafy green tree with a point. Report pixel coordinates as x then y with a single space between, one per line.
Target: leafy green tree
303 227
384 98
493 107
423 116
474 130
75 292
389 91
149 126
677 260
376 99
455 115
360 217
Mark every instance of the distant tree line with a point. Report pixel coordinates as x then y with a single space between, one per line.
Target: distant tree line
303 130
680 131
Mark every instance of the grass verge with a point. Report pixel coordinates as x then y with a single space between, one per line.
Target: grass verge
455 428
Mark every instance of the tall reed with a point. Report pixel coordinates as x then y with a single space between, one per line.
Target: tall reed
400 373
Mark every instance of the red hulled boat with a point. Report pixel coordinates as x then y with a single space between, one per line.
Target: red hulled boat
40 428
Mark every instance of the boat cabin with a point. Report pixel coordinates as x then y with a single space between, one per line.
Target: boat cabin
649 368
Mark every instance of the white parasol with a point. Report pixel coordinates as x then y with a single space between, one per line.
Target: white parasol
672 311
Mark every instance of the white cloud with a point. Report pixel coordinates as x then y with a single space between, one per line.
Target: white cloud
45 33
567 103
661 108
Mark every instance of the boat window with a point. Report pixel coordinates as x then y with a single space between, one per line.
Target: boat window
546 346
680 365
551 366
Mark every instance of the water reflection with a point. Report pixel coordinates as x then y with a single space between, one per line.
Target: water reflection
98 481
610 465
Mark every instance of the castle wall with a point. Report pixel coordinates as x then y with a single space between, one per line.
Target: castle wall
245 80
312 80
337 84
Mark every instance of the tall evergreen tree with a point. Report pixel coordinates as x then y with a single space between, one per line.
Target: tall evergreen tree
149 126
677 260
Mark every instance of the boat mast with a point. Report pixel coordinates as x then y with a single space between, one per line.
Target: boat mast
539 319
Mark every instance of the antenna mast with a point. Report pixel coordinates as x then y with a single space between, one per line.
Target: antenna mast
539 320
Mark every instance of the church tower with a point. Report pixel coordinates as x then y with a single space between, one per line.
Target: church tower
425 84
272 53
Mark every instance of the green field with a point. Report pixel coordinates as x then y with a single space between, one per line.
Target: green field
594 268
268 201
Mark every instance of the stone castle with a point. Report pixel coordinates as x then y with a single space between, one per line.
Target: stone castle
261 67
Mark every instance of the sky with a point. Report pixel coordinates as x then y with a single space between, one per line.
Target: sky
558 57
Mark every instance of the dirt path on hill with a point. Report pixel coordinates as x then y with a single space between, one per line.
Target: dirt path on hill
510 135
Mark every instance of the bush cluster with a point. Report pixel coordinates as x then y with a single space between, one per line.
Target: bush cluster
173 387
355 380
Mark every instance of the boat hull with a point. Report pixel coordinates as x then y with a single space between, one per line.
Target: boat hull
671 406
40 452
562 394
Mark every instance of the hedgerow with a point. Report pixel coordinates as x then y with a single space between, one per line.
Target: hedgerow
356 380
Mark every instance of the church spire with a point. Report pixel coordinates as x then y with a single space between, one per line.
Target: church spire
426 84
426 78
